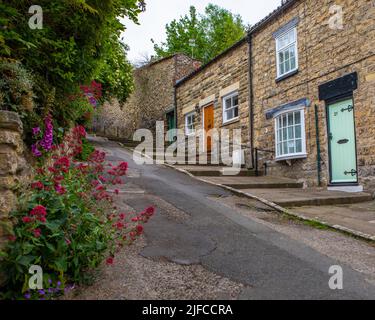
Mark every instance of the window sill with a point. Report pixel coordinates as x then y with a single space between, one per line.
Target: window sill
227 123
287 75
291 157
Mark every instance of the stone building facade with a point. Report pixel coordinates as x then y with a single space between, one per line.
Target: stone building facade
153 98
329 81
222 82
306 92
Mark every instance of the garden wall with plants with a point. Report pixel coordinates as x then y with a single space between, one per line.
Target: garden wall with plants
15 169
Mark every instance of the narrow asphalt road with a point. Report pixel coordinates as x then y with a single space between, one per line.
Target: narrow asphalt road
269 264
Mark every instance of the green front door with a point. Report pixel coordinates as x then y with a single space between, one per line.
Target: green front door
342 142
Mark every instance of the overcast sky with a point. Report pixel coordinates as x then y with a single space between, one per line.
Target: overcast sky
161 12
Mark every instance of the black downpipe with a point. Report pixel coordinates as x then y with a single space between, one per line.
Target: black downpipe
318 153
251 105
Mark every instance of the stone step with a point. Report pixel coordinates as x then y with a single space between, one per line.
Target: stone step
253 182
289 198
217 171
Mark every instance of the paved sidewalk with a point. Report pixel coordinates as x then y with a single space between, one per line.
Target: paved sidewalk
353 213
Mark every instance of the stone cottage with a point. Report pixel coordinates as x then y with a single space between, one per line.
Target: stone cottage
302 88
217 96
152 99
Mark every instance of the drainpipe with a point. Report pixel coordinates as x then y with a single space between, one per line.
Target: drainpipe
318 154
251 104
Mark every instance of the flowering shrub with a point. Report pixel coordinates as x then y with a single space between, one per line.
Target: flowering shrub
67 223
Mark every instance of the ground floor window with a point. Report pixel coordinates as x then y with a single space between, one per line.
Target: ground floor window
230 107
190 123
290 135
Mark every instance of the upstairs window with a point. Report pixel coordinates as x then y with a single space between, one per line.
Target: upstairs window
190 123
290 135
230 107
287 52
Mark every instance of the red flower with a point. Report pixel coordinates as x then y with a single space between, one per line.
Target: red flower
42 219
12 238
119 225
68 242
39 211
139 229
110 261
150 211
27 219
60 189
117 191
122 216
37 185
37 233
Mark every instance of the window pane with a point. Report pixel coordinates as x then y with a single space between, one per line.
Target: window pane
284 121
290 119
297 117
236 112
285 147
291 133
299 145
298 131
235 101
229 114
291 146
292 63
285 134
228 103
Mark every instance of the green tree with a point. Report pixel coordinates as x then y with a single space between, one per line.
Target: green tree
202 36
79 43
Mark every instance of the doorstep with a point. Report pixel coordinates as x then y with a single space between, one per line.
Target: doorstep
289 198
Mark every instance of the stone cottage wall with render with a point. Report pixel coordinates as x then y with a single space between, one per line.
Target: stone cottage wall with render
14 168
226 74
325 54
153 95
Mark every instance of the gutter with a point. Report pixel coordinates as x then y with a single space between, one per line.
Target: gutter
251 104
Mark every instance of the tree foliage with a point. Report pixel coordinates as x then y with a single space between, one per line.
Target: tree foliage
79 42
213 32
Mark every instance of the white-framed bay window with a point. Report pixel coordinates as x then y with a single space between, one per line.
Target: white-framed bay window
290 137
230 107
287 52
190 123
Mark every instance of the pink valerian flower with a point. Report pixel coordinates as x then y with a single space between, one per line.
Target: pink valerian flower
60 189
37 185
39 211
122 216
68 242
27 220
37 233
110 261
12 238
139 229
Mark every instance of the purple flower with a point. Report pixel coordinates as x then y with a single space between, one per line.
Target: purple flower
28 296
47 140
49 281
58 283
41 292
36 131
36 151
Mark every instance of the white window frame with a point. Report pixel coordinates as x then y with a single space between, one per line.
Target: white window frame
224 99
278 49
189 132
296 155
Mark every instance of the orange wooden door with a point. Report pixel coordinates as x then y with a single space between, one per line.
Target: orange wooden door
208 125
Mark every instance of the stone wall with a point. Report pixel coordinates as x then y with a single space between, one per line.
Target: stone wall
325 54
152 97
14 168
228 73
